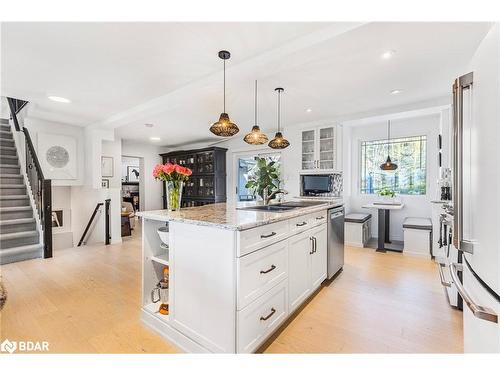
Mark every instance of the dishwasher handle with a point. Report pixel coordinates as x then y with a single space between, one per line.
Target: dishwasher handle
337 214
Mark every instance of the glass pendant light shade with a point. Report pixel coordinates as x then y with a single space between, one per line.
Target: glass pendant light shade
255 137
279 142
388 165
224 127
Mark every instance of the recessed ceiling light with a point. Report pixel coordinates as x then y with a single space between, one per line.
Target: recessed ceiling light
396 91
308 110
148 125
155 139
388 54
59 99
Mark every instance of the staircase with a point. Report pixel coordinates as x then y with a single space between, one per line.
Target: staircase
19 236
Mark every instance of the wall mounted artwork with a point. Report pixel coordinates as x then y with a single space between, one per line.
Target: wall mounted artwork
57 155
106 166
132 174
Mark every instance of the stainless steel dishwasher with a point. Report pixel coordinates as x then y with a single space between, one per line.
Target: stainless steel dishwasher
335 240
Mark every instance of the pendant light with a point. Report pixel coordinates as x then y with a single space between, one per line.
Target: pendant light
388 165
255 137
278 142
224 127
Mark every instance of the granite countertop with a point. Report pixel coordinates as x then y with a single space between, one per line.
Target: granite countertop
228 216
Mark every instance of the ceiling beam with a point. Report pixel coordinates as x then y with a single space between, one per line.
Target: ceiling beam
249 67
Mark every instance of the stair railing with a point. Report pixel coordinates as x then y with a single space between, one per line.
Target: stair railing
41 187
107 234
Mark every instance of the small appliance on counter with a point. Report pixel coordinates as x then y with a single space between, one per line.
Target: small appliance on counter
321 185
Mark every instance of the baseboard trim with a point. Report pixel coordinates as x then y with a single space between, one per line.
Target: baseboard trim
171 334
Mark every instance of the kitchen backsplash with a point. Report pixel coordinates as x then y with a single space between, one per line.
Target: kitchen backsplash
338 184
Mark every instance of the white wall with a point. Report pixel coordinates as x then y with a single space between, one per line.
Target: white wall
83 202
416 205
113 149
37 126
61 200
150 190
84 198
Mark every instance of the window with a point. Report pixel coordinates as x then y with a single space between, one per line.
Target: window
245 168
408 153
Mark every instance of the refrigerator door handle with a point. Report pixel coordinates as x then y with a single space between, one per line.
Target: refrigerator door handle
461 84
480 312
441 275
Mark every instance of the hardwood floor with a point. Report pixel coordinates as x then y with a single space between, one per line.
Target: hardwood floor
87 300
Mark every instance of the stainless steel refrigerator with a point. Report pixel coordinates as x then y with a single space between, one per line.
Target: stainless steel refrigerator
476 195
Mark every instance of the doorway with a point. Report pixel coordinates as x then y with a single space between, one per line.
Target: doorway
131 197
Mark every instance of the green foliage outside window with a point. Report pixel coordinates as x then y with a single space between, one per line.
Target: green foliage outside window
409 153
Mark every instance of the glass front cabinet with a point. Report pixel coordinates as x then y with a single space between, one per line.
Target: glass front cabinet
318 149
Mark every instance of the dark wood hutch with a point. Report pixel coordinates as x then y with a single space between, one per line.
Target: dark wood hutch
207 184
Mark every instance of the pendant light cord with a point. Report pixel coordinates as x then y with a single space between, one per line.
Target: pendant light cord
279 109
255 102
388 135
224 86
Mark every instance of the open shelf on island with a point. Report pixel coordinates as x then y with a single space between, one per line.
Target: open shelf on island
153 308
161 258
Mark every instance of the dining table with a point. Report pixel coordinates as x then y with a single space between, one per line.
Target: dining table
384 221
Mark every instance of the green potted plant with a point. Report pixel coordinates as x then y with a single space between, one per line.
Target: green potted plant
386 194
264 179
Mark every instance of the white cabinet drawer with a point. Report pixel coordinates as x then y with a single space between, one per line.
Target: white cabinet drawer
319 217
300 224
260 271
259 319
256 238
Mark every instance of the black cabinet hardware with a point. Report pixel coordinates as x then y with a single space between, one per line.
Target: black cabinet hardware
273 310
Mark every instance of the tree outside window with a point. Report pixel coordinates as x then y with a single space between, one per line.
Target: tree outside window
409 153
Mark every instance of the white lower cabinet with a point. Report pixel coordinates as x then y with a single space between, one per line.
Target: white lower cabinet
260 271
299 267
259 319
319 257
307 259
230 290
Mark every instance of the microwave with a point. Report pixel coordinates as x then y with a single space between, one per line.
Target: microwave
321 185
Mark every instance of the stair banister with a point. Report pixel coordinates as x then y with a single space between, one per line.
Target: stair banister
41 187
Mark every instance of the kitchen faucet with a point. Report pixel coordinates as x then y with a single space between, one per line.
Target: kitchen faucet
267 197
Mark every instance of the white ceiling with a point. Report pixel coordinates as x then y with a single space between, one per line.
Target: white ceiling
123 75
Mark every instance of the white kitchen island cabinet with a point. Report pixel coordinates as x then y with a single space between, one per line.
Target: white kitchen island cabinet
235 275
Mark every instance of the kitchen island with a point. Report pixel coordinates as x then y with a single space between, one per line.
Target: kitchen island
235 273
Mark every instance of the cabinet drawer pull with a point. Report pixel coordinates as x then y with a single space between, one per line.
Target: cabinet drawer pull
320 218
312 246
273 310
268 235
301 224
269 270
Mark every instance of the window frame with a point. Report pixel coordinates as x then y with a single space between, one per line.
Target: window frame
360 164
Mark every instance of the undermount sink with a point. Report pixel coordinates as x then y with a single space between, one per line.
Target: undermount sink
286 206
